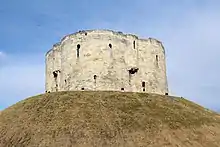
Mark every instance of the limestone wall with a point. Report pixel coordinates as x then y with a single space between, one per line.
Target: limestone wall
106 60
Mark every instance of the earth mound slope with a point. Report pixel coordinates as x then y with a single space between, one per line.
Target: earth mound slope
66 119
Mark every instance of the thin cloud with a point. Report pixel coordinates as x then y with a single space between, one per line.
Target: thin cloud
2 55
21 78
2 58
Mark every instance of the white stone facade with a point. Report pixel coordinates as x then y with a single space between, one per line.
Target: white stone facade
105 60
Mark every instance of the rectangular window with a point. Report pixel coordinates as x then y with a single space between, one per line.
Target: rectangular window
143 84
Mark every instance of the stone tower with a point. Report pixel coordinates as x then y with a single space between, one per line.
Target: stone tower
105 60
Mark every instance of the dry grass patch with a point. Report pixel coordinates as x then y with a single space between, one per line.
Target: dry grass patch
108 119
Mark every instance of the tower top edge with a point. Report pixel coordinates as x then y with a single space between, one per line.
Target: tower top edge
103 31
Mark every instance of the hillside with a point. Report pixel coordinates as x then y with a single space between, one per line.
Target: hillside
65 119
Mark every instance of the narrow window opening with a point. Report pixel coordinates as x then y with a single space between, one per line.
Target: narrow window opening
143 84
55 74
95 76
78 47
157 60
134 44
110 45
82 88
65 81
166 93
122 89
85 33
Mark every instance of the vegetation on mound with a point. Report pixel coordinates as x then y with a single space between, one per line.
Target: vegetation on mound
98 116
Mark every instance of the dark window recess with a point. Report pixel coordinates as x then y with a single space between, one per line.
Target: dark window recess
143 89
95 76
85 33
157 61
133 70
166 93
78 46
77 50
82 88
143 84
55 74
134 44
122 89
77 53
65 81
110 45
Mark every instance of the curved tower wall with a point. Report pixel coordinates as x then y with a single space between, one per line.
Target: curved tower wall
106 60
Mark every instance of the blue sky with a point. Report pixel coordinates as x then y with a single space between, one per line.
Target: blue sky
188 29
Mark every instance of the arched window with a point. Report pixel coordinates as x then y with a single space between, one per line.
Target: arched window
134 44
77 50
78 46
110 45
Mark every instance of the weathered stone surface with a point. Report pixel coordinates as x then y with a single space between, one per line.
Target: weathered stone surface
106 60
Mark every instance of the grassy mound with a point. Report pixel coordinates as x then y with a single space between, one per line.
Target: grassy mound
65 119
